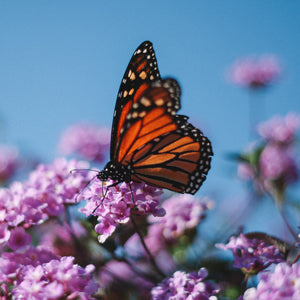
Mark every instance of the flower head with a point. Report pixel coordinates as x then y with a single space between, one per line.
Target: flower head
283 283
55 279
9 162
112 205
183 214
88 141
252 254
183 286
277 163
255 72
281 130
44 195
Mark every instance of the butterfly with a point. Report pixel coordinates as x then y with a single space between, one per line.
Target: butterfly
149 141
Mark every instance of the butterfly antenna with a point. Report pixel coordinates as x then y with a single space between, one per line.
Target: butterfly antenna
84 188
83 170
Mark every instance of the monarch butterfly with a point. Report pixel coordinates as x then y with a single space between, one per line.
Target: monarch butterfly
149 141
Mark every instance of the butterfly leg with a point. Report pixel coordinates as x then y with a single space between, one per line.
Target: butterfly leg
114 184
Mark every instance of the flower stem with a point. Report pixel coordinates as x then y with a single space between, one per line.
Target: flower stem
152 260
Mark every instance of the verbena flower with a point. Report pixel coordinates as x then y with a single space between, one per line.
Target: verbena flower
37 273
276 163
55 279
252 255
12 263
183 213
44 195
19 238
88 141
113 205
9 162
283 283
183 286
255 72
279 129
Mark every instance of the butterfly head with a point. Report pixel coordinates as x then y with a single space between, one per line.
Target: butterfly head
119 173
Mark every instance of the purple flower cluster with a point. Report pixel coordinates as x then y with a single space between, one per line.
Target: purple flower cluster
255 72
187 286
277 163
283 283
113 204
38 274
88 141
9 162
252 255
44 195
274 165
183 213
280 130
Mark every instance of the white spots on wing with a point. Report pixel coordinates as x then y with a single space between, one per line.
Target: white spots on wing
143 75
145 101
142 114
159 102
131 91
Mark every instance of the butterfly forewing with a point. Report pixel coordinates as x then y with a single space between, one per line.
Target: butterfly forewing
141 71
150 117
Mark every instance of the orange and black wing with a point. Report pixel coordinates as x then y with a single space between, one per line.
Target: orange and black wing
163 149
141 71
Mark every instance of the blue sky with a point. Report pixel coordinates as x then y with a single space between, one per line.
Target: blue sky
61 62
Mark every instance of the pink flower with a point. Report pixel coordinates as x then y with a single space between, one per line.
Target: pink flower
255 72
280 129
44 195
9 162
283 283
115 207
88 141
185 286
38 274
252 254
19 238
112 205
183 213
277 163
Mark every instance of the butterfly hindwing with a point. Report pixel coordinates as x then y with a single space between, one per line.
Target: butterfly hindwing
178 160
141 71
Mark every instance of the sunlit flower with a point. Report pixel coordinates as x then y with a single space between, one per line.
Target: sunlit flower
252 254
112 205
255 72
277 163
9 162
185 286
88 141
283 283
280 129
183 213
19 238
44 195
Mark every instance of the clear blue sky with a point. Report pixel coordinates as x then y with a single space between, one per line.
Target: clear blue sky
62 62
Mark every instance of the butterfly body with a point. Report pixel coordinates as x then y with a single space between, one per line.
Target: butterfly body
150 141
